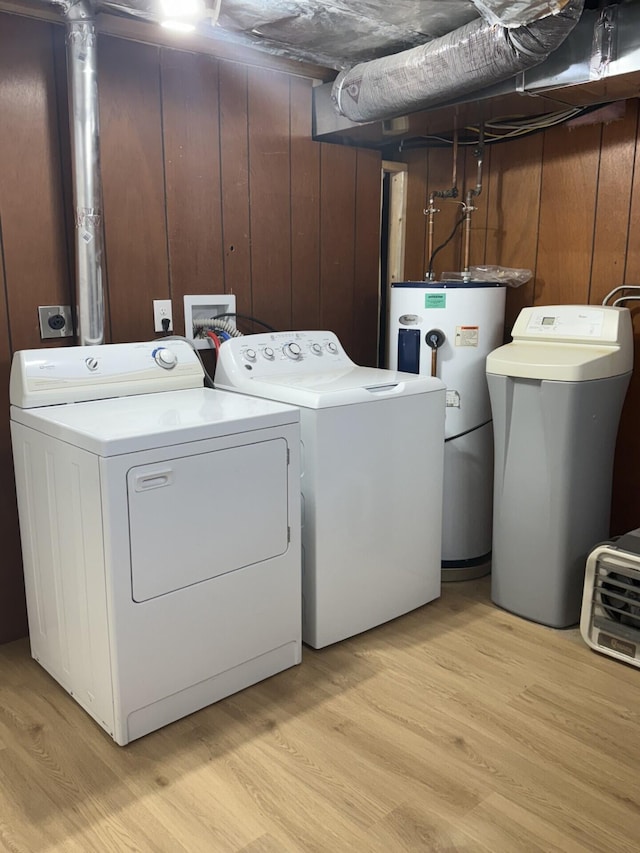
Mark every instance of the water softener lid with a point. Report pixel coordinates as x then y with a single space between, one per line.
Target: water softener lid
567 343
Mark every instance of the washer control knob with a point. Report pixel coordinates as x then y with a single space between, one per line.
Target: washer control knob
332 348
268 353
292 351
250 354
92 363
165 358
316 349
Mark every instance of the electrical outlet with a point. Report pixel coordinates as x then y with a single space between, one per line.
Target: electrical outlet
199 309
162 311
55 321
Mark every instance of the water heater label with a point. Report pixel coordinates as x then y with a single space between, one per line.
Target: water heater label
467 336
435 300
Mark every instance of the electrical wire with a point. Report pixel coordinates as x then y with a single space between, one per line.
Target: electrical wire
247 317
514 128
443 245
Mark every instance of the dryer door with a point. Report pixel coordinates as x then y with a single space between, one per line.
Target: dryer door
197 517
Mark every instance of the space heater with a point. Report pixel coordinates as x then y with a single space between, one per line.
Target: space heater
610 617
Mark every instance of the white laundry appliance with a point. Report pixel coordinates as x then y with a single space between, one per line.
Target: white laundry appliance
447 329
372 460
160 525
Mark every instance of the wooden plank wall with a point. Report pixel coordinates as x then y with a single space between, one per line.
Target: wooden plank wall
211 184
566 204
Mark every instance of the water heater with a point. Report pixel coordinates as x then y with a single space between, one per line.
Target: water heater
450 327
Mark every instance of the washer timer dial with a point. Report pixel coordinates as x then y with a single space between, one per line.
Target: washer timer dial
292 350
165 358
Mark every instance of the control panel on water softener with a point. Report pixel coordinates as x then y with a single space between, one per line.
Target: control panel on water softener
279 353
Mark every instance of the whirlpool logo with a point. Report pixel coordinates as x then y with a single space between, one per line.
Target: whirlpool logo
617 645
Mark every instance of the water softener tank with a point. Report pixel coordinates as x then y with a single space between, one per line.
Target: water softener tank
556 394
450 327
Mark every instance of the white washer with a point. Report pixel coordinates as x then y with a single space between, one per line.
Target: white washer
160 526
372 460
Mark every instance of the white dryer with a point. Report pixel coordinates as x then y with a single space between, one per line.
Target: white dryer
372 461
160 526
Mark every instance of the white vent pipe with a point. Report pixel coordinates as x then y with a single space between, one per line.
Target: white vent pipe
467 59
82 72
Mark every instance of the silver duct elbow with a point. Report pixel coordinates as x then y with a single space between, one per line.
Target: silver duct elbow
82 71
467 59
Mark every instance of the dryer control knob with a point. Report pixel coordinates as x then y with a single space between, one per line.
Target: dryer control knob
316 349
165 358
292 351
332 348
250 354
267 352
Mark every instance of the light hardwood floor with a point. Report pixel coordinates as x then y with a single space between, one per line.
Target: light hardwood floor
456 728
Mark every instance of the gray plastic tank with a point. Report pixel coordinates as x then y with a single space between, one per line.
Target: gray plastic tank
556 396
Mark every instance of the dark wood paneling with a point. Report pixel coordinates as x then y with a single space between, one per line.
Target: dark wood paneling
449 258
234 158
366 276
33 249
567 214
31 201
270 196
513 214
305 210
626 495
58 35
13 615
337 234
632 259
416 236
133 178
614 196
192 171
482 203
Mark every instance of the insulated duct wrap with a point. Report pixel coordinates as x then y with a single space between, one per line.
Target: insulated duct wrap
472 57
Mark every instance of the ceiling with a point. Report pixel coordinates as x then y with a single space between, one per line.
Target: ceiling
338 33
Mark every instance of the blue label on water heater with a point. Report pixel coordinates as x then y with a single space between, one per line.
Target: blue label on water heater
435 300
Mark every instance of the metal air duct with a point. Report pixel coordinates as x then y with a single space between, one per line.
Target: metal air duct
469 58
82 71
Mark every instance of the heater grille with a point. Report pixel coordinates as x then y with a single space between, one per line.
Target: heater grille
618 592
611 605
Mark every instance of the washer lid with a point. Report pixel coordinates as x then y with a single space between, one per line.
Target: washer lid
144 422
344 387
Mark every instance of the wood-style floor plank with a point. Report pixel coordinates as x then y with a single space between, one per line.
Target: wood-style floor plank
458 727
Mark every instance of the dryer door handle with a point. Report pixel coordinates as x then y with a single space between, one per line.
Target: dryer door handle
153 480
